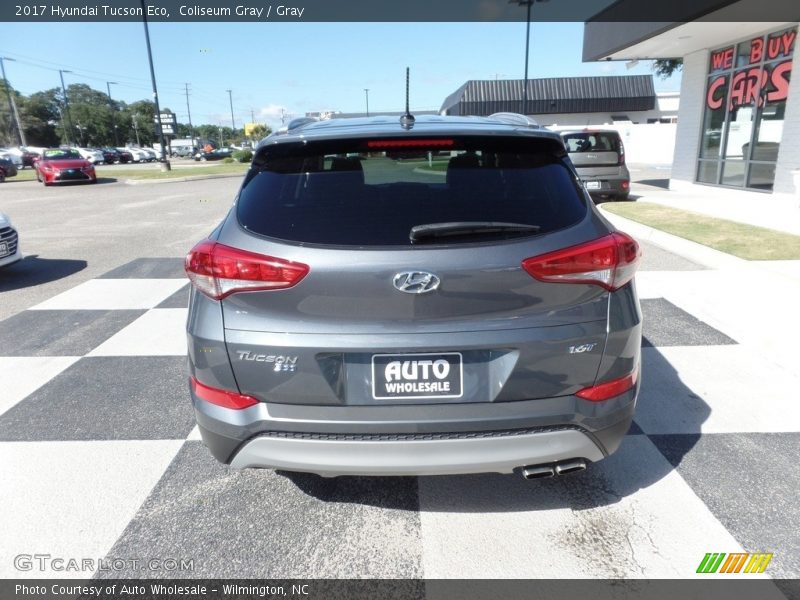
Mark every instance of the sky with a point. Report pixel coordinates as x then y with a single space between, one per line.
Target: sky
293 67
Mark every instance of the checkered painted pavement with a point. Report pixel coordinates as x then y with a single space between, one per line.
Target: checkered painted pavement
99 458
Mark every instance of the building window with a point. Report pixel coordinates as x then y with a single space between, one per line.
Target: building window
745 102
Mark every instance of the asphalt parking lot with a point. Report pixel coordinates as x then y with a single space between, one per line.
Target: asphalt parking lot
100 457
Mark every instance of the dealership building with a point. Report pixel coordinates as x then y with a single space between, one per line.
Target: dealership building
567 101
738 124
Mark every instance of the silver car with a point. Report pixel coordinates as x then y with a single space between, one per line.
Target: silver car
10 251
389 299
599 157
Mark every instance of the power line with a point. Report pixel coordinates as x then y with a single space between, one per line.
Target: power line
79 69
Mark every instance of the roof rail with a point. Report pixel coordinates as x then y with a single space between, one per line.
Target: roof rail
514 119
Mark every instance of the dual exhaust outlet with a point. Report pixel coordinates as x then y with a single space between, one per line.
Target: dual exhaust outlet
561 468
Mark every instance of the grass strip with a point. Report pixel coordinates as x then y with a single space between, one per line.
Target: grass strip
152 171
742 240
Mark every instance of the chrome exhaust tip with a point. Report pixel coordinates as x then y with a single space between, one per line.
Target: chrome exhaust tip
537 472
570 466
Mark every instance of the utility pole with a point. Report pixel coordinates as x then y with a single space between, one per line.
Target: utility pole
165 166
66 106
252 116
113 112
20 131
136 128
230 98
12 114
366 91
191 129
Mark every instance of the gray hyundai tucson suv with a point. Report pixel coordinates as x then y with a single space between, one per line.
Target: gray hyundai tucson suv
437 296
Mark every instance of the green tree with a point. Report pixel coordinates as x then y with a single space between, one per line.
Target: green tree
666 67
138 118
91 115
259 132
8 126
40 115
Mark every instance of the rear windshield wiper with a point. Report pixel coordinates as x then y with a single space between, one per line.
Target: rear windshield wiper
467 228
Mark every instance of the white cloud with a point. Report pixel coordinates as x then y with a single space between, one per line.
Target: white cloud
273 113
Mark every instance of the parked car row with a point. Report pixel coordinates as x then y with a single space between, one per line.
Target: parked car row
217 154
19 157
7 169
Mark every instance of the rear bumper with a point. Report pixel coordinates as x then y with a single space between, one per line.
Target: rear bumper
500 454
616 182
415 440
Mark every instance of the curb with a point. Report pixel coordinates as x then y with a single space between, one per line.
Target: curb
181 179
693 251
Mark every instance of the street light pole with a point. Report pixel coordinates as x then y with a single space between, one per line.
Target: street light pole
113 112
12 114
66 106
366 91
165 166
528 4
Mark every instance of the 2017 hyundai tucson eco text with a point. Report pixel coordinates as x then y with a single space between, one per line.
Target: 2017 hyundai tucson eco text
429 297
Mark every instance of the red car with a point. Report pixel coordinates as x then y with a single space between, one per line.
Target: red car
61 166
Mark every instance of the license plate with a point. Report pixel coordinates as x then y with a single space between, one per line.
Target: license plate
3 248
593 185
417 376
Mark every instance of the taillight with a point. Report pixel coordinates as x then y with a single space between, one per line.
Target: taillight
621 154
609 389
219 271
609 262
224 398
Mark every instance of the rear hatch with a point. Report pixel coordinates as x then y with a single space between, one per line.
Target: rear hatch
394 273
595 153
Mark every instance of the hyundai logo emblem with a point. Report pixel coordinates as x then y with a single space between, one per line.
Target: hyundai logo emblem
416 282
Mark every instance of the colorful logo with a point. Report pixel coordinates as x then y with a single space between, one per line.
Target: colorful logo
741 562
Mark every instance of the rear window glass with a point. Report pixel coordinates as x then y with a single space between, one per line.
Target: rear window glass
591 141
373 192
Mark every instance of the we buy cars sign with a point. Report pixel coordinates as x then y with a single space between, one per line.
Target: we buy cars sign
168 123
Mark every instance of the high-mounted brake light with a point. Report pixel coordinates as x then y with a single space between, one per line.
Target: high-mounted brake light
219 271
224 398
610 262
610 389
412 143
